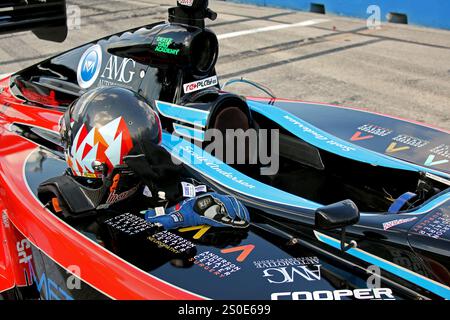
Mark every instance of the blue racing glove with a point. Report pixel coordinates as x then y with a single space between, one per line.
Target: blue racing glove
210 209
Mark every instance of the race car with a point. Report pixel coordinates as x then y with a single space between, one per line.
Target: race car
344 203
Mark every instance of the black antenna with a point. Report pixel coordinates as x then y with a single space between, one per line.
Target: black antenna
191 12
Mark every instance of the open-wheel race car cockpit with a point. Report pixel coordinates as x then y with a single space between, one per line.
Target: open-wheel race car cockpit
130 147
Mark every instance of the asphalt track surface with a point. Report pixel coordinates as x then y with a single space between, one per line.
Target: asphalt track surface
399 69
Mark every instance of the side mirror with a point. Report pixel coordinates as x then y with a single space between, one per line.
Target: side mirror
338 215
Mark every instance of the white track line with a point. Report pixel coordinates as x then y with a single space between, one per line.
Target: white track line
6 9
271 28
141 3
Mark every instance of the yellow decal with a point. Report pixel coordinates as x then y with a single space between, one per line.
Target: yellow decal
393 148
201 230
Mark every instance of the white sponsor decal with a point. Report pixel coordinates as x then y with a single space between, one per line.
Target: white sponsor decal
188 189
201 188
171 242
435 225
202 84
318 136
443 150
89 66
24 251
393 223
5 219
359 294
375 130
288 275
187 3
128 223
411 141
118 70
214 166
214 264
265 264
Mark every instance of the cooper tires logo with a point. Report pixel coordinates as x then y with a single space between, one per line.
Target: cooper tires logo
89 66
357 294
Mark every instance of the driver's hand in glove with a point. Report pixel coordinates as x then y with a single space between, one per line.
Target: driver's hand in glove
210 209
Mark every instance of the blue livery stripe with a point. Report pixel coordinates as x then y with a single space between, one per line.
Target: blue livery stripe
430 205
328 142
432 286
192 116
216 170
223 174
189 133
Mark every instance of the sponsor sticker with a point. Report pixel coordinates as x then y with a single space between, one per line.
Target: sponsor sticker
201 189
264 264
435 225
24 251
280 271
116 197
290 274
177 217
317 135
47 287
187 3
358 294
244 250
393 148
442 150
160 211
411 141
171 242
393 223
89 66
199 85
162 45
375 130
5 219
215 264
214 166
188 190
128 223
118 71
89 175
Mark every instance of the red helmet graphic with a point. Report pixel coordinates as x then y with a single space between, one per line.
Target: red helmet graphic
101 128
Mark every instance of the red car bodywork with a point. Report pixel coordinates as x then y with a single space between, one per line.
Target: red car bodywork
24 217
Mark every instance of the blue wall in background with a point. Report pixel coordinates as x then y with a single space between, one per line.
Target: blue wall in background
430 13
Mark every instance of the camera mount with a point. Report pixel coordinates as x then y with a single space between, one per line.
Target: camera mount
191 12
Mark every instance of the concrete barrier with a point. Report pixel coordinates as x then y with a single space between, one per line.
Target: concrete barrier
430 13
